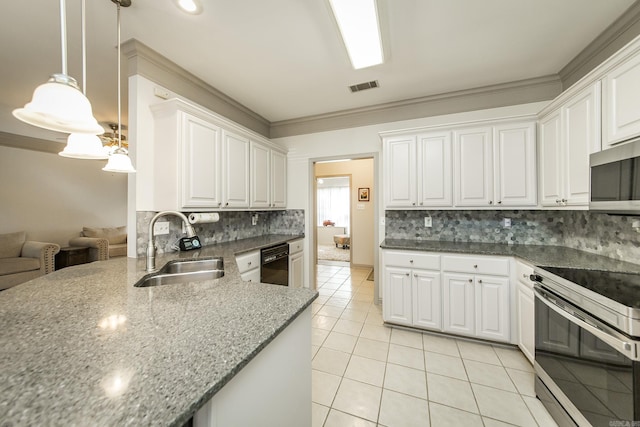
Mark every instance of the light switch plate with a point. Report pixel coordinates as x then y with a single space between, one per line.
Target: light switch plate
428 222
160 228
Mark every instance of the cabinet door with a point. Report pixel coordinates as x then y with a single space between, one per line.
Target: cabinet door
200 164
397 296
400 167
434 169
458 304
515 157
236 171
278 179
551 158
260 174
493 316
621 110
296 270
427 299
474 167
581 126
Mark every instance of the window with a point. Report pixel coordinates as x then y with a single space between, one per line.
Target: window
333 201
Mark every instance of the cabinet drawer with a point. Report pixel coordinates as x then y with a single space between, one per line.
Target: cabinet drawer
523 271
412 260
296 246
476 265
248 261
251 276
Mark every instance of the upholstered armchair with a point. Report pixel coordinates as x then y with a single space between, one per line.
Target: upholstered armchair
103 243
22 260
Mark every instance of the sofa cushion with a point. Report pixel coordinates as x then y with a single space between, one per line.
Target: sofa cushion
117 250
18 265
11 244
115 235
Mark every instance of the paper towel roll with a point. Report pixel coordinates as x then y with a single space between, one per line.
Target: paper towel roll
200 218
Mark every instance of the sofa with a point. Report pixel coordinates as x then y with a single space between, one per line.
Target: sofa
22 260
103 242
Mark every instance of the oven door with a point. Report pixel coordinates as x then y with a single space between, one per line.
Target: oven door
590 369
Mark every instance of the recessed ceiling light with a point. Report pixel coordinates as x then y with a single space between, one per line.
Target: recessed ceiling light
360 30
193 7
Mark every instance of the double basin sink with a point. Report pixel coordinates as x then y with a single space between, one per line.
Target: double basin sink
184 272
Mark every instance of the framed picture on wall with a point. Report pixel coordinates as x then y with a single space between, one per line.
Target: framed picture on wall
363 194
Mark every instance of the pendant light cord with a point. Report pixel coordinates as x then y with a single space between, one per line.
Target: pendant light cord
119 89
84 48
63 35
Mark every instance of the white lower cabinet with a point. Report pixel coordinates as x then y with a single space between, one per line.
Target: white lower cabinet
526 310
249 266
296 264
458 294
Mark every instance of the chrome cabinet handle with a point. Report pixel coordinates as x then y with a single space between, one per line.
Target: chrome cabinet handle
480 281
475 265
524 276
226 204
490 202
249 263
500 202
407 274
415 274
558 201
411 261
470 280
414 203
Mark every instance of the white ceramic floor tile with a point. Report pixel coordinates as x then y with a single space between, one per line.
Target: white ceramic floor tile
324 387
406 338
489 375
539 412
406 356
323 322
513 359
340 419
337 302
359 305
372 349
344 294
374 318
326 291
318 415
314 350
524 381
451 392
365 370
503 406
443 364
341 342
359 399
400 410
318 336
363 298
330 311
490 422
355 315
478 351
446 416
350 327
406 380
436 344
330 361
375 332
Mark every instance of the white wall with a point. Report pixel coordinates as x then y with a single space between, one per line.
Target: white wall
52 197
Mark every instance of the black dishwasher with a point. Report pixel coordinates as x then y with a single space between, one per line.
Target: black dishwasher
274 265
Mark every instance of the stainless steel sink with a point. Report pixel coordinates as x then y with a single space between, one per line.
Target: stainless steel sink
184 272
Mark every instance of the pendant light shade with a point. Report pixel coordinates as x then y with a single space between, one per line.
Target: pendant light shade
58 104
84 146
119 162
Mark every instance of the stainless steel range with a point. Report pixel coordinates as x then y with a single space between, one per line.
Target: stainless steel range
587 344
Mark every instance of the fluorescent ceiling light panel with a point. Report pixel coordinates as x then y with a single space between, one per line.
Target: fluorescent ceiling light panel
358 23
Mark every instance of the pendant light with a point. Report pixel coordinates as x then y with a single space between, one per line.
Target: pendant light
119 160
84 145
58 104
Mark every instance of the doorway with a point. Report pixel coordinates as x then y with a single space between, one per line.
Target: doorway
333 219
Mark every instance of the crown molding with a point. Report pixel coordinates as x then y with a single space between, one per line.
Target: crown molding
150 64
614 37
500 95
29 143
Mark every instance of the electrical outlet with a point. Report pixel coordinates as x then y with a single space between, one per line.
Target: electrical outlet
254 219
160 228
428 222
506 222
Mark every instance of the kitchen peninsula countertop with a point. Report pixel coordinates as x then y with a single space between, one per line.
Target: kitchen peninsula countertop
538 255
83 346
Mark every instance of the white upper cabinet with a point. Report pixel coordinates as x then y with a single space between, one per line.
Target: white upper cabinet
278 179
620 106
515 164
474 166
568 136
434 172
235 150
400 171
260 173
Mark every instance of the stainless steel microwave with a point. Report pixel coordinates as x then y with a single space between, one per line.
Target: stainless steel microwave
615 179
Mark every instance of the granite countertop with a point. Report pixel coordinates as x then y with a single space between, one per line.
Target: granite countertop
83 346
537 255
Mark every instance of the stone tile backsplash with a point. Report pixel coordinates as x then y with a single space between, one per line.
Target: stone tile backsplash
607 235
232 226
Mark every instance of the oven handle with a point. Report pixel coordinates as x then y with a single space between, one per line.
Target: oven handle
605 333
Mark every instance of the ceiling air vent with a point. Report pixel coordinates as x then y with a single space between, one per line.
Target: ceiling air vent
364 86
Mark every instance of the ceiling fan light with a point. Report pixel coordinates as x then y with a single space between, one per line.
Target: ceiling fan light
84 146
193 7
119 162
60 106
